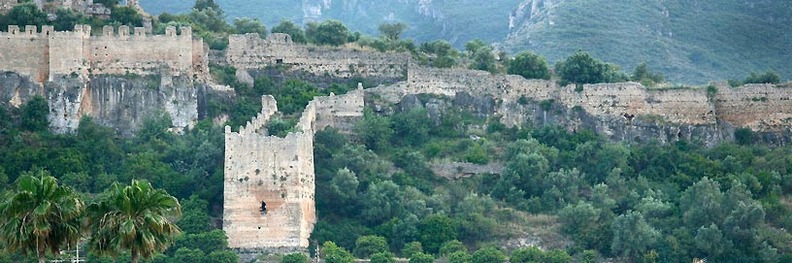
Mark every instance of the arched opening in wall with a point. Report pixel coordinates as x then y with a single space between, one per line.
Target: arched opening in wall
263 209
279 61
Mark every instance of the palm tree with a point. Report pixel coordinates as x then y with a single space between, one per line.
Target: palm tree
39 215
136 218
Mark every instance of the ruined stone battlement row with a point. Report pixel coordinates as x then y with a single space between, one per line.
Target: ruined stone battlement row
44 54
249 51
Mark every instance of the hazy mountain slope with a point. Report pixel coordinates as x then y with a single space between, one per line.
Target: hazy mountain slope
455 20
689 41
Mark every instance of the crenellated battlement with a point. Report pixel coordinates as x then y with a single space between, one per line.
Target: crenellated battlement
45 53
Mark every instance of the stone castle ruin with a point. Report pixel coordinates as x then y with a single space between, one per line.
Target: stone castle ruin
269 181
119 77
269 198
249 52
47 53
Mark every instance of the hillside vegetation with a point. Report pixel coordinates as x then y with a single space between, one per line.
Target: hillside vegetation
575 194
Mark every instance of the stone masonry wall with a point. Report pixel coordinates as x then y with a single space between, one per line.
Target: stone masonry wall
26 51
760 107
136 52
46 54
249 51
276 173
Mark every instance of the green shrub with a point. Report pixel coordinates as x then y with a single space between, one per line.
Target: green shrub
295 258
365 246
411 248
529 65
459 257
383 257
451 247
421 258
767 77
336 254
526 255
582 68
488 255
743 136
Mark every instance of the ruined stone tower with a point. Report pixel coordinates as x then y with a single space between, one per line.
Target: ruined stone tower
268 195
268 188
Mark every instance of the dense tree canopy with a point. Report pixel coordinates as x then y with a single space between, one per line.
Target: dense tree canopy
287 27
529 65
330 32
582 68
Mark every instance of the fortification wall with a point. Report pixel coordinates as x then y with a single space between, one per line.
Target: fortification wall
612 99
68 51
47 54
249 51
761 107
26 51
632 99
340 111
138 53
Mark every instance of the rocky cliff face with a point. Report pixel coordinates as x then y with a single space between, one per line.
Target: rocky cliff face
115 101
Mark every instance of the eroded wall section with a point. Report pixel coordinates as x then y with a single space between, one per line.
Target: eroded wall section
269 201
249 51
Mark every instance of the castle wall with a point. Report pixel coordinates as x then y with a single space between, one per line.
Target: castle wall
25 50
761 107
769 104
68 51
138 53
48 54
341 111
249 51
686 106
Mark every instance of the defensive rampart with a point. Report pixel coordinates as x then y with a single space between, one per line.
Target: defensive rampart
249 51
759 107
46 54
269 181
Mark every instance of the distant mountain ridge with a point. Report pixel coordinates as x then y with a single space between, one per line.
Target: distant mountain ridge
457 21
689 41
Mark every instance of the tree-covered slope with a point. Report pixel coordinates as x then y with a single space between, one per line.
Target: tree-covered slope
689 41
